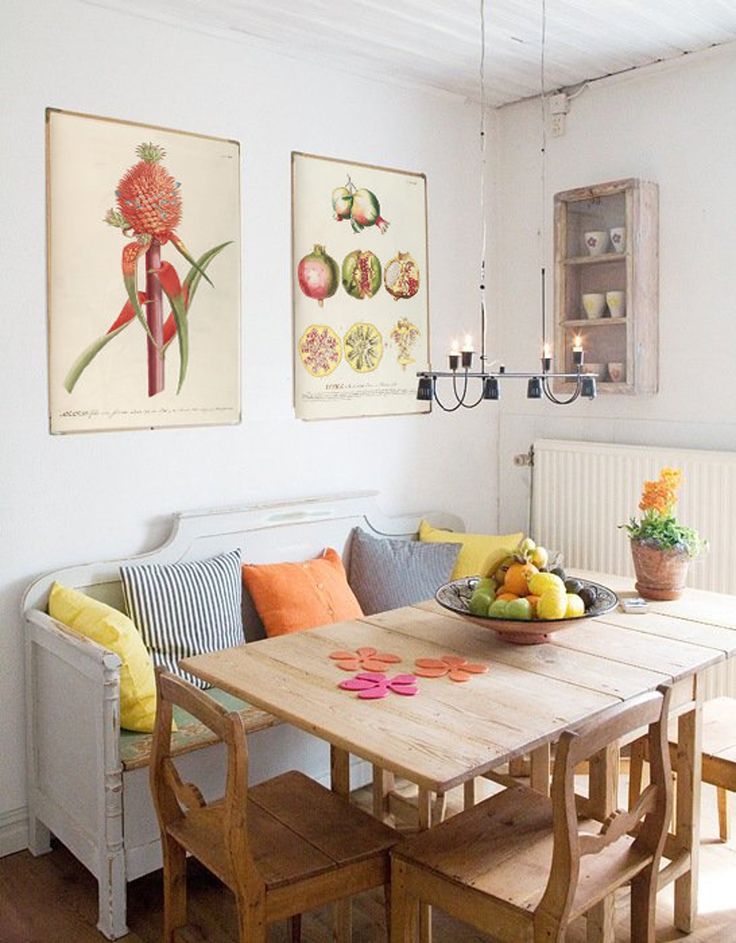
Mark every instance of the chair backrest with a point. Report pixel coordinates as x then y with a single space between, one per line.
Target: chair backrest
173 798
649 816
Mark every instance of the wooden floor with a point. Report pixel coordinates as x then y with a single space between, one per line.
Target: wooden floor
53 899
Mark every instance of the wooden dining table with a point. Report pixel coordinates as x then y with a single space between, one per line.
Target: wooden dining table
450 733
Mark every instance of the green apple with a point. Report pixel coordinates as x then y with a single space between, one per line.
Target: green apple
519 609
498 608
487 584
480 602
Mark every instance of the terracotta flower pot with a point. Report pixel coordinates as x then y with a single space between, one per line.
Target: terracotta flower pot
660 574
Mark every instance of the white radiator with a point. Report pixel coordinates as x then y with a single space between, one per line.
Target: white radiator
583 490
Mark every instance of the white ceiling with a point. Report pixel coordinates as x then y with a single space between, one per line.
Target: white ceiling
436 43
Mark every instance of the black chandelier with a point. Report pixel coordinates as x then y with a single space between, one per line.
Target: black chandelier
465 392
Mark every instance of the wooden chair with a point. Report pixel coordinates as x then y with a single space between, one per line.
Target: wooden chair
519 867
283 847
719 755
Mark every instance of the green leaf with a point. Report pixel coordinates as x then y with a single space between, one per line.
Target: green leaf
130 287
87 356
181 248
182 332
194 276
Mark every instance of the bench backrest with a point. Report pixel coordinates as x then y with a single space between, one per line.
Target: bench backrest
265 533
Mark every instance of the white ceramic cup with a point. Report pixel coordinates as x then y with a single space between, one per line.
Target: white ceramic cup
594 304
616 372
618 238
616 301
596 241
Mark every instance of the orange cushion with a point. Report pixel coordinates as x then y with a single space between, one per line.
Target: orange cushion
290 597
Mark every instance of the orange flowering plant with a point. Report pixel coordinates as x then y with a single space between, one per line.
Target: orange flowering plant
658 526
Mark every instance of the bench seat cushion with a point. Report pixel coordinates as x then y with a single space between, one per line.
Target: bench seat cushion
135 748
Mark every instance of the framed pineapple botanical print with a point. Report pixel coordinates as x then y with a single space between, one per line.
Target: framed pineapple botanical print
143 275
360 293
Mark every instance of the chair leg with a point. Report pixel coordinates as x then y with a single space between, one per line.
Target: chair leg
636 770
643 906
175 888
251 919
548 930
404 907
722 812
295 928
387 908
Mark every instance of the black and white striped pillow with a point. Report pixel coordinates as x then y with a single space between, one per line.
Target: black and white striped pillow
184 609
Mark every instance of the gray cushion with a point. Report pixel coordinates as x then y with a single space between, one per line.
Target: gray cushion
388 572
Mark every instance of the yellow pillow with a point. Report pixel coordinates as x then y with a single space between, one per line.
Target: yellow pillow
479 555
114 630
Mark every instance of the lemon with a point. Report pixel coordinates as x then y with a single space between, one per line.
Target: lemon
539 583
540 557
575 606
552 604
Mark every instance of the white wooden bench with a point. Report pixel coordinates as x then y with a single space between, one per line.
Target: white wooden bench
87 784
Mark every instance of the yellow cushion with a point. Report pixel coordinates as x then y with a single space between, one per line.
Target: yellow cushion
479 555
114 630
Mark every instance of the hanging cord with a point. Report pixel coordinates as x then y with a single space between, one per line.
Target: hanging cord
543 234
484 227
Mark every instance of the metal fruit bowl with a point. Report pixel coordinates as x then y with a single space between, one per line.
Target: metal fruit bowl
456 594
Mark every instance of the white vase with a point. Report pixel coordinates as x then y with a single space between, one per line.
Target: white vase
594 304
616 301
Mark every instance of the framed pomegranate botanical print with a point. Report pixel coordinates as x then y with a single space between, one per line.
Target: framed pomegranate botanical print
143 275
359 256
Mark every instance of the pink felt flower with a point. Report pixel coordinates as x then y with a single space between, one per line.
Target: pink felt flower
369 659
455 667
372 685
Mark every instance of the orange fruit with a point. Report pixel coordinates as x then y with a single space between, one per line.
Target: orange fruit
507 596
533 600
517 578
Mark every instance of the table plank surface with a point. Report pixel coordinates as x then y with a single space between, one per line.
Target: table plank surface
438 739
480 643
450 733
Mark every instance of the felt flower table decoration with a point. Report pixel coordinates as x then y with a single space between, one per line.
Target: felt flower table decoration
369 659
455 667
371 685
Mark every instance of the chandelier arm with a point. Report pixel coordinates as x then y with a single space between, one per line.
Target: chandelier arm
477 402
557 400
445 409
460 398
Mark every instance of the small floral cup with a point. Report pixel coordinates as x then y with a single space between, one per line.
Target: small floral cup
596 241
618 238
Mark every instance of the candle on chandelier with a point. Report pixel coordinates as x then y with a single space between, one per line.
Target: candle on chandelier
546 357
577 351
466 355
454 356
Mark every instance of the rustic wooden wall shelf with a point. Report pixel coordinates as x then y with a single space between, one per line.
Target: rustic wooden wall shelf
623 350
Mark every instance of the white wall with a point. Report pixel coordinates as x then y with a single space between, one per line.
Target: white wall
675 125
86 497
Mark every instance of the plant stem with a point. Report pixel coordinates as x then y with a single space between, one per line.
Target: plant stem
155 318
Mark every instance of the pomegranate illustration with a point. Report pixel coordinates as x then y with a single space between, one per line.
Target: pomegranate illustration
401 276
366 211
318 275
320 350
361 207
361 274
342 201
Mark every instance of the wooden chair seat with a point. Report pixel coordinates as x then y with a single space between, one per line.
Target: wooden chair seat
297 830
503 848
